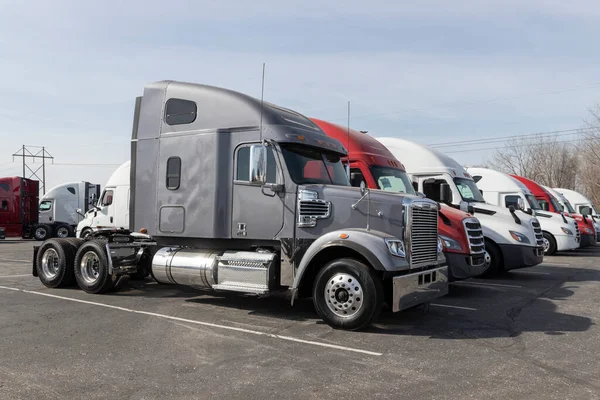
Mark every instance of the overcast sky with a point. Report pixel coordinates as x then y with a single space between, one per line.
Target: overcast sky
430 71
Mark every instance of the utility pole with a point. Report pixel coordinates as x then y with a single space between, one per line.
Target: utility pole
29 154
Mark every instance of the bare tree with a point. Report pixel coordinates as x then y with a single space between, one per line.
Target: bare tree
589 151
543 159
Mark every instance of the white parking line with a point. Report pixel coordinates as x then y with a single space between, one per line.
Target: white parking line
14 276
460 308
531 272
18 261
486 284
192 321
554 265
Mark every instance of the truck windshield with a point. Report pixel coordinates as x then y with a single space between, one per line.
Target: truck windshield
392 179
468 190
555 204
533 203
310 165
568 206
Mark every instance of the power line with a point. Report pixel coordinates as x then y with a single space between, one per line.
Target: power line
87 165
566 132
507 147
473 102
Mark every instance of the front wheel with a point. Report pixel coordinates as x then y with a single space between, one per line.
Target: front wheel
347 294
91 268
549 244
493 260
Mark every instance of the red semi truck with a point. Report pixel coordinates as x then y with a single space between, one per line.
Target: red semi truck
550 204
372 164
18 206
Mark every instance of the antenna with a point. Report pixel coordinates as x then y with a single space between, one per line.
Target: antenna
348 137
262 95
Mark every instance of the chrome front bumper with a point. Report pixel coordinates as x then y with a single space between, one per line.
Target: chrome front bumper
420 287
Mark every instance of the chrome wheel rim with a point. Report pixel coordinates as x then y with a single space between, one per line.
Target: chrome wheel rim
50 266
487 259
546 245
62 232
343 295
86 233
90 267
40 232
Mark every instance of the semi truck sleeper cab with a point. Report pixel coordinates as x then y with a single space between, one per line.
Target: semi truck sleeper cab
237 195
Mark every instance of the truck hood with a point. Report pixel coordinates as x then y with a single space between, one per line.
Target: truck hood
381 210
497 222
553 222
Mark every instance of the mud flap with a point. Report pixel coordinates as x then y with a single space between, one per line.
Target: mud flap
35 253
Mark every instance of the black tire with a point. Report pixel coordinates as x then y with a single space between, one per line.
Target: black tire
340 275
85 233
63 231
42 232
493 257
54 263
551 249
91 268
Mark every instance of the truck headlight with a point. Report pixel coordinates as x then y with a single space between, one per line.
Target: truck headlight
568 231
519 237
440 247
396 247
450 244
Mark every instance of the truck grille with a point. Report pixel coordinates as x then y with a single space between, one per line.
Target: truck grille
537 229
310 208
314 208
577 232
474 235
423 234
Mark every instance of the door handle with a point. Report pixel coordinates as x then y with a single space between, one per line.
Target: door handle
111 220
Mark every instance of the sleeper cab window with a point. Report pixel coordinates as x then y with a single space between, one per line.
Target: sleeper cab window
179 112
511 200
173 173
243 165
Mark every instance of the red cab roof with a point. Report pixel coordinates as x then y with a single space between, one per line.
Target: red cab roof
360 145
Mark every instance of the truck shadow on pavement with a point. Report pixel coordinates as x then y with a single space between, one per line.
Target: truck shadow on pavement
496 312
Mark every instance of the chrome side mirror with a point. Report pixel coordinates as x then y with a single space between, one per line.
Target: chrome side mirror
258 164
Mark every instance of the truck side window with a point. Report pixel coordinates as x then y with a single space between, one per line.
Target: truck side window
179 111
71 190
243 163
173 173
511 200
45 205
544 204
107 198
357 177
4 205
4 186
431 188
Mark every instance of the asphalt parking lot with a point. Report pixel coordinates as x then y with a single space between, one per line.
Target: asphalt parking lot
531 334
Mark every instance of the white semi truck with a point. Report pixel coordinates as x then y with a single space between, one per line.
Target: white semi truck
112 209
513 239
569 210
560 233
62 208
575 202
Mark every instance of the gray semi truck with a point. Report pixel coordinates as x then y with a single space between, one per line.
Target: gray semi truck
232 194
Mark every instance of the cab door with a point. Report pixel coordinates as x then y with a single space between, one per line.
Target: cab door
257 212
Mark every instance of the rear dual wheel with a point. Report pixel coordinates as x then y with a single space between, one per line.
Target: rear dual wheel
54 263
91 268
